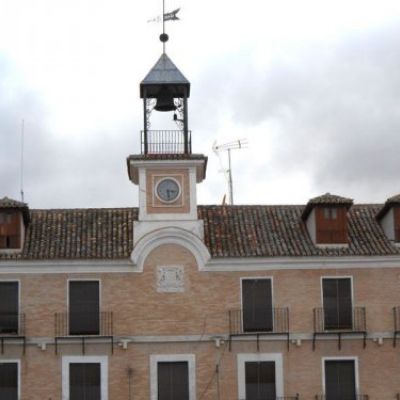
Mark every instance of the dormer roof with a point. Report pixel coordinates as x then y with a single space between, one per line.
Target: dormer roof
328 200
164 72
390 202
11 204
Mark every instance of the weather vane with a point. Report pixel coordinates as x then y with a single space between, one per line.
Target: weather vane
170 16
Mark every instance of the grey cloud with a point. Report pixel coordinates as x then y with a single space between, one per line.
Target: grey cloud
338 109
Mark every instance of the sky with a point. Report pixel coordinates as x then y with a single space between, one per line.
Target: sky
313 85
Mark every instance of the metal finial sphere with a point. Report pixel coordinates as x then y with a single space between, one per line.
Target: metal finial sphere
164 37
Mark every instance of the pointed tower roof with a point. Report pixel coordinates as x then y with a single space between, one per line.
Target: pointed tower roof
164 72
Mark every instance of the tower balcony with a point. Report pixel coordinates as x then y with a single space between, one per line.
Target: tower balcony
166 142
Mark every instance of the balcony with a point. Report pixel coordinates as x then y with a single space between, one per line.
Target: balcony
274 322
331 322
84 327
327 397
166 142
12 327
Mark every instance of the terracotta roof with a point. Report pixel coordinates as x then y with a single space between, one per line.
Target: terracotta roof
230 231
11 204
326 199
390 202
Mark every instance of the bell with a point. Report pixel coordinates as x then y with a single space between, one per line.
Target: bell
165 102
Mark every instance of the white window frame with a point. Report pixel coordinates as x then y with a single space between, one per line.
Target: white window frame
102 360
156 358
18 362
346 358
246 278
242 358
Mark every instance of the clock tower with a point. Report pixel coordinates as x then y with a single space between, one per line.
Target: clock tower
166 170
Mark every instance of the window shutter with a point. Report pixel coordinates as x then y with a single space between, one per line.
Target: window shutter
340 380
8 381
9 307
260 380
173 381
338 309
84 381
84 308
257 305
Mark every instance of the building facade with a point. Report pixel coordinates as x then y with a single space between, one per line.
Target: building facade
177 301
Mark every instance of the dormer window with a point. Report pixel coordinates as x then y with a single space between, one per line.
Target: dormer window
389 219
326 220
10 230
14 216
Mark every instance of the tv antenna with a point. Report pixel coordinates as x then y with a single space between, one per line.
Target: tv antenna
228 147
22 160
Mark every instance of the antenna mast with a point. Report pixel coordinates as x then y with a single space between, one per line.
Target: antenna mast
235 145
22 160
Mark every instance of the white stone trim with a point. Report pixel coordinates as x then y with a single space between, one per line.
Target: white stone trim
156 358
178 236
226 264
298 263
339 358
102 360
18 362
242 358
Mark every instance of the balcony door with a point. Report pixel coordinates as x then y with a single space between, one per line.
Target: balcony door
337 300
9 305
340 380
257 305
84 308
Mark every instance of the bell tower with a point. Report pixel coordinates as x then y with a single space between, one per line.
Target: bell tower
166 170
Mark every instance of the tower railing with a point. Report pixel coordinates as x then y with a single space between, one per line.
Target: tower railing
166 142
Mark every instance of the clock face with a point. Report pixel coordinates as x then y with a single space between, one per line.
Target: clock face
168 190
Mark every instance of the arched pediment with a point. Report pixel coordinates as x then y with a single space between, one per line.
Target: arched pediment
169 235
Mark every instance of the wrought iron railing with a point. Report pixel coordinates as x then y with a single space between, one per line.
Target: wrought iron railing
67 324
324 322
296 397
328 397
166 142
277 323
12 324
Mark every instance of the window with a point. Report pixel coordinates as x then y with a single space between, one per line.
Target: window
331 225
84 381
85 378
330 213
340 380
172 377
173 380
396 224
260 376
257 305
84 308
337 302
9 389
10 230
9 308
260 380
